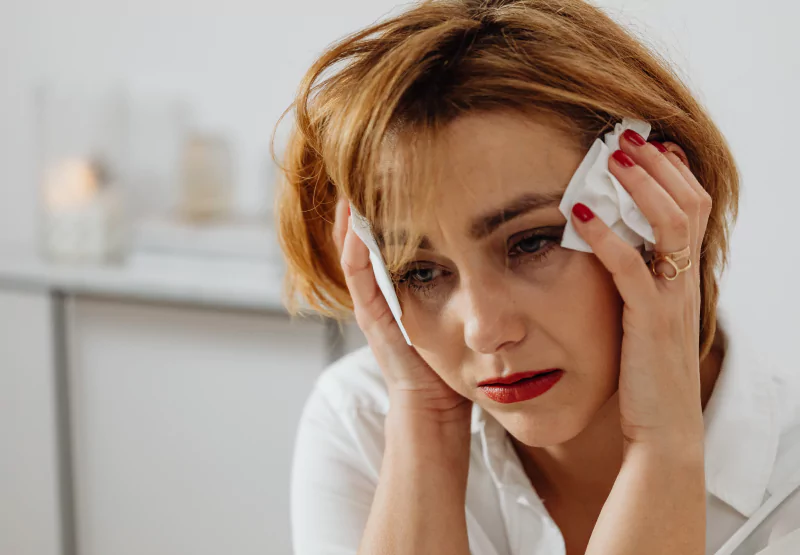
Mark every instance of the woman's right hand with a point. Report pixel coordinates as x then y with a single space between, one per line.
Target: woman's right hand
412 383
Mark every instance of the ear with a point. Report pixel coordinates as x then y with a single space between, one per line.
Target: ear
678 151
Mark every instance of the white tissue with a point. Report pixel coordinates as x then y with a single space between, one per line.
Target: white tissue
364 231
595 186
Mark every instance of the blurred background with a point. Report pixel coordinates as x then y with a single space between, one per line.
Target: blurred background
150 379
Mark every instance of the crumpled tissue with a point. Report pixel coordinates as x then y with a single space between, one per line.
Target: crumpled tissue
595 186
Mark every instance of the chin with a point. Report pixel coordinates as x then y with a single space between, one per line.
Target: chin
545 427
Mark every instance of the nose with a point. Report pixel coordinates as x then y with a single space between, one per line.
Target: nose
493 319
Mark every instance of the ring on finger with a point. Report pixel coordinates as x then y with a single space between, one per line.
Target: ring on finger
672 258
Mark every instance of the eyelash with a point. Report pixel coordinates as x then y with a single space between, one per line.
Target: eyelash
544 235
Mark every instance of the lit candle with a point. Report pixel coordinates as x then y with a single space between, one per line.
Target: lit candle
81 213
70 184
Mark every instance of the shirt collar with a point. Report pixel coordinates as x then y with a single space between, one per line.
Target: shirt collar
742 425
478 418
741 422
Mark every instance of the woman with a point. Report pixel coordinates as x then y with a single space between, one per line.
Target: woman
553 401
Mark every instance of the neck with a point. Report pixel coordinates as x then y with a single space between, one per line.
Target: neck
586 466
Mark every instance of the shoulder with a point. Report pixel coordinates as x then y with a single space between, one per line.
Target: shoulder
354 382
784 483
337 455
344 416
787 463
341 429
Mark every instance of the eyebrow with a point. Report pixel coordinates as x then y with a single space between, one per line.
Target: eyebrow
486 224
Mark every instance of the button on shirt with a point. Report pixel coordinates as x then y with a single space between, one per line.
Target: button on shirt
752 459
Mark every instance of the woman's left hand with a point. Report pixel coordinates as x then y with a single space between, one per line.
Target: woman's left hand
659 383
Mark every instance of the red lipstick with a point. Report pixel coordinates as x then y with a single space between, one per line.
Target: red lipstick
521 386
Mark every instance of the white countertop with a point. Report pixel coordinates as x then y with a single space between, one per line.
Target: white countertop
220 282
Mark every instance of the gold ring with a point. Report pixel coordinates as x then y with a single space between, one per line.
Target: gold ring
672 258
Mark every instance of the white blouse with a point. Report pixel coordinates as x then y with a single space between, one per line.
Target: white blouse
752 465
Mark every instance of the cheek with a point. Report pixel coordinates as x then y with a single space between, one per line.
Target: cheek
440 345
577 302
596 301
593 321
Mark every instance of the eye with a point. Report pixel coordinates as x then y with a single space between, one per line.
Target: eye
534 242
421 278
422 275
531 244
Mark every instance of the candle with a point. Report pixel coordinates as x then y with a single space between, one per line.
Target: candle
70 184
82 214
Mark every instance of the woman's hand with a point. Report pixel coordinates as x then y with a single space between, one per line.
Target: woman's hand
659 383
412 384
657 504
423 479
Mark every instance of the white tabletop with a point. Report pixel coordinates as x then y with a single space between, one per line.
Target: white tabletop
221 282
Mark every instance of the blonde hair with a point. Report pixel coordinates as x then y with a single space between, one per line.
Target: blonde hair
402 80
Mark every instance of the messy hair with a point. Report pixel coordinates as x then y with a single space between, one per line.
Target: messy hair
371 107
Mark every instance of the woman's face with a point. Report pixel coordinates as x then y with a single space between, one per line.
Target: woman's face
491 293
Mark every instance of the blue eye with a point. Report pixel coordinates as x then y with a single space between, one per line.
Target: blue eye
422 275
534 244
420 278
531 244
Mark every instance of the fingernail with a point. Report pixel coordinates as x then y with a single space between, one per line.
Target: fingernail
582 212
623 159
634 137
348 209
659 146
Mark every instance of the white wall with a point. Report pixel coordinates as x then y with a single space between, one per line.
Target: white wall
237 63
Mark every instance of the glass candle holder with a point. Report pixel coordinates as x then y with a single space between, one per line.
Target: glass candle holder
82 144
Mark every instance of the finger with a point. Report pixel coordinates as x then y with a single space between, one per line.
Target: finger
701 218
371 310
670 224
676 158
651 158
630 273
340 224
675 154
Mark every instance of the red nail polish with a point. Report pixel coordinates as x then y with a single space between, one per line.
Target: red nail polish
634 137
659 146
348 209
623 159
582 212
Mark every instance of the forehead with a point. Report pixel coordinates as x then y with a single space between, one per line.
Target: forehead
483 150
476 166
485 160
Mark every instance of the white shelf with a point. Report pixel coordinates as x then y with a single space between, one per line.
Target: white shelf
222 282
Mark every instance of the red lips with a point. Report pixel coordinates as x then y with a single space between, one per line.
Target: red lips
522 386
515 377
